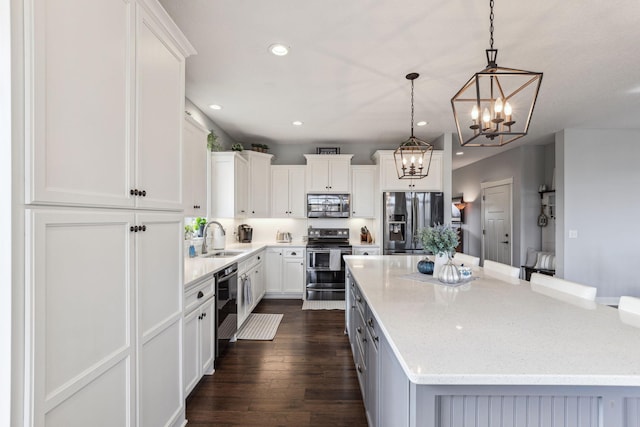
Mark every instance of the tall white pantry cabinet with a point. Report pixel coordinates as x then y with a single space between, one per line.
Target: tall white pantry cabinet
103 193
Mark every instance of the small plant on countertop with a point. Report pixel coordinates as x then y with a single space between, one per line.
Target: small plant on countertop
441 239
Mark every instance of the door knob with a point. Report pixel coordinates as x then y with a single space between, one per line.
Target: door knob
506 241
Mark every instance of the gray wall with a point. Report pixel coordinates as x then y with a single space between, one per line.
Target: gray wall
223 138
525 165
599 200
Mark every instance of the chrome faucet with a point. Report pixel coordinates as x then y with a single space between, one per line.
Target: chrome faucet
204 235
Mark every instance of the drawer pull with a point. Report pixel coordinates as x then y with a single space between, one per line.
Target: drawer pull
359 329
359 368
370 322
200 294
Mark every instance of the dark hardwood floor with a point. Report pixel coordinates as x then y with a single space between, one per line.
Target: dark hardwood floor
304 377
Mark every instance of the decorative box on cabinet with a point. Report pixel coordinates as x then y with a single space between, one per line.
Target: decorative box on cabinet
328 173
285 272
228 185
288 192
194 169
259 183
199 330
110 154
363 201
389 180
105 300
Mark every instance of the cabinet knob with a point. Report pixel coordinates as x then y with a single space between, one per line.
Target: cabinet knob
143 193
132 191
258 258
293 254
359 368
366 253
200 294
200 317
143 228
204 315
370 322
253 212
376 338
359 329
132 228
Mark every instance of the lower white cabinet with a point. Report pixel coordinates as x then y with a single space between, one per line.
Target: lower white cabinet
199 330
251 285
104 318
285 272
366 250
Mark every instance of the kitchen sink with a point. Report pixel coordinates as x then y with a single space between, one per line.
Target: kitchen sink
222 254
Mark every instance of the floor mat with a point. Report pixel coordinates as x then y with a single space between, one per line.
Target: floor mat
260 326
323 305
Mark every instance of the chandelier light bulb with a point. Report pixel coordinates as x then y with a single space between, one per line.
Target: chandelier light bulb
420 160
413 160
475 113
486 115
507 109
498 105
404 161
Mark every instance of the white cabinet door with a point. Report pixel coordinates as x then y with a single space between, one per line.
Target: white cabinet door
362 194
191 365
194 161
288 192
318 175
159 112
241 180
228 185
328 173
280 191
297 194
293 275
274 270
81 91
158 251
340 175
80 317
259 185
207 330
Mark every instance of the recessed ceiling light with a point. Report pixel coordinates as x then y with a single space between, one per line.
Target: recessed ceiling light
278 49
215 107
297 123
459 153
422 123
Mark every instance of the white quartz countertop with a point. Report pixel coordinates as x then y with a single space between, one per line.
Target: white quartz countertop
199 267
494 330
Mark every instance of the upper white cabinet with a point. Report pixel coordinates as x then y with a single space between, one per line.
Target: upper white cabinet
194 169
363 200
228 185
389 180
106 83
288 192
259 184
328 173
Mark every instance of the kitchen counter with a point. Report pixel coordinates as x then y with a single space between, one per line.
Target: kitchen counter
494 330
199 267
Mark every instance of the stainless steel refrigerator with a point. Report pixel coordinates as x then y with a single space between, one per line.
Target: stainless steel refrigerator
405 213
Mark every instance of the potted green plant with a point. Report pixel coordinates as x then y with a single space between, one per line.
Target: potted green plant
237 147
442 241
198 225
265 148
212 142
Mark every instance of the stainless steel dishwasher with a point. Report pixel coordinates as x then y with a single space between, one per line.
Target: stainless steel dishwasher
226 309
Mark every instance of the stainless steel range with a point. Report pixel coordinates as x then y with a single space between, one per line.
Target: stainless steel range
325 265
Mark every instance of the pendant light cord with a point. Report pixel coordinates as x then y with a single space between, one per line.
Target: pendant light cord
411 108
491 23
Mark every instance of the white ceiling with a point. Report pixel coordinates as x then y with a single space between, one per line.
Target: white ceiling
345 74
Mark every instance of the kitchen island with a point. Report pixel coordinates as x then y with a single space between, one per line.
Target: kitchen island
488 353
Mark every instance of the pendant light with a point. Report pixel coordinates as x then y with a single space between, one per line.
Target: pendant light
495 106
413 156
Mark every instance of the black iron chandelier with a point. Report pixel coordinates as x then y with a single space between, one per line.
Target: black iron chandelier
495 106
413 156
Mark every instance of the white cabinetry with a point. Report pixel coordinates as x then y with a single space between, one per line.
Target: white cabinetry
251 286
125 316
228 185
366 250
124 150
288 192
389 180
199 330
259 184
285 272
328 173
363 200
194 168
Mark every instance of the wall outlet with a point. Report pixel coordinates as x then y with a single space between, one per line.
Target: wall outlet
573 234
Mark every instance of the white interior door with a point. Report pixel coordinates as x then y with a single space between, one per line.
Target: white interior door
497 223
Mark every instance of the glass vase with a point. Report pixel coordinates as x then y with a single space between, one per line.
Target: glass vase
449 273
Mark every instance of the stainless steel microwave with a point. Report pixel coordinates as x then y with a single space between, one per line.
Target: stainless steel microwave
328 205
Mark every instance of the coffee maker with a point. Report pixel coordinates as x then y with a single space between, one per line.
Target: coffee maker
245 233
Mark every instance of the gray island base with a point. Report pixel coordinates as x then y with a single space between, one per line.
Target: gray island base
492 353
